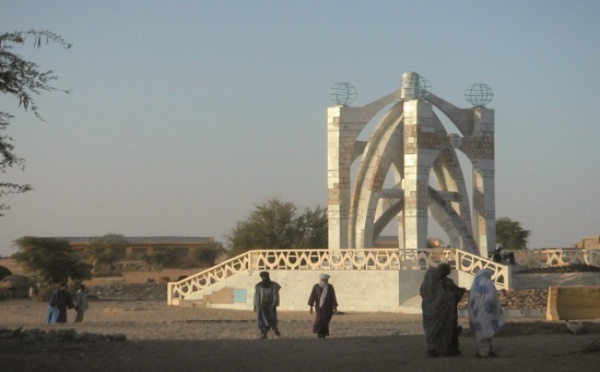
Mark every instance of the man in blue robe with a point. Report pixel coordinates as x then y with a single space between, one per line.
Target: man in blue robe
266 300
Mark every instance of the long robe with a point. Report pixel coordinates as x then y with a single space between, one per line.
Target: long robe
458 293
485 311
81 304
61 300
438 312
266 300
324 313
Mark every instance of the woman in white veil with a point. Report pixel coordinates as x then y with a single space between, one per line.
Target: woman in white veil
485 312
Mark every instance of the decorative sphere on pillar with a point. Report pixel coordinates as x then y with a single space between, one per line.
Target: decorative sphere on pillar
342 93
479 94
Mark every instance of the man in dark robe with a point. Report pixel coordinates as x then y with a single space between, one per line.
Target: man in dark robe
61 300
457 292
266 300
497 256
322 298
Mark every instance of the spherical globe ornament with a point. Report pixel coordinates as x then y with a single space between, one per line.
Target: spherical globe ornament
479 94
342 93
417 87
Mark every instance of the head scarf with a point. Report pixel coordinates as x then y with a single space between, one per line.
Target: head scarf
485 311
264 274
266 279
325 285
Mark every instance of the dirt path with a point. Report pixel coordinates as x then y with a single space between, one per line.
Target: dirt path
162 338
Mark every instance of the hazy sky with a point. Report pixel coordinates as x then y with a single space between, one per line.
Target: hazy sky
184 115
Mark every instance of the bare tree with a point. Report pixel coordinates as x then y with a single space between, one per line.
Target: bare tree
23 80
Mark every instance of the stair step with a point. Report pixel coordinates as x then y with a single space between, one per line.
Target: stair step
193 303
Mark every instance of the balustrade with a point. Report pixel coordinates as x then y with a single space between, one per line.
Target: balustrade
373 259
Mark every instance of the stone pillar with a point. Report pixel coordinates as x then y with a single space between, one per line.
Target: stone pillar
419 155
484 206
344 124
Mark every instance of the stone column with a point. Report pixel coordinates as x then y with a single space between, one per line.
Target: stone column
344 124
482 156
419 155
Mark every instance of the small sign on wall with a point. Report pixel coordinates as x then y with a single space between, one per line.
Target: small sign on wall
240 295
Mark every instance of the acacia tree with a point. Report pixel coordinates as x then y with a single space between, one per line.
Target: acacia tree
510 234
313 226
21 79
207 254
105 250
160 258
53 260
277 224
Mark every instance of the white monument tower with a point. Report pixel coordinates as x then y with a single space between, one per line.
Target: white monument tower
411 146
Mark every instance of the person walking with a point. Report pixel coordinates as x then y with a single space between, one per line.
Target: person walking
437 306
322 298
61 300
81 303
485 312
266 300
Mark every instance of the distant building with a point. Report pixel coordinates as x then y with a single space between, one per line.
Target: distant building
591 242
139 246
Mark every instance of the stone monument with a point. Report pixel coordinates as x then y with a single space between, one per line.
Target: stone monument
410 146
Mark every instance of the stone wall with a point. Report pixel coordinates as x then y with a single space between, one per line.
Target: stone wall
356 290
158 276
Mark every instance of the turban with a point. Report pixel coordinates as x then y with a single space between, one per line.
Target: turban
324 276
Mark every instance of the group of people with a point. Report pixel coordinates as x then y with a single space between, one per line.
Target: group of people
440 312
440 309
266 300
61 300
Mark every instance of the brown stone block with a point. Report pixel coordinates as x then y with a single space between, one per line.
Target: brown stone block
224 296
573 303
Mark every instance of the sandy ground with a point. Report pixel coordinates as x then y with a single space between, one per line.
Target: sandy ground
162 338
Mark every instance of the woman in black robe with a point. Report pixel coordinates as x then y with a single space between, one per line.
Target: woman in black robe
438 314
